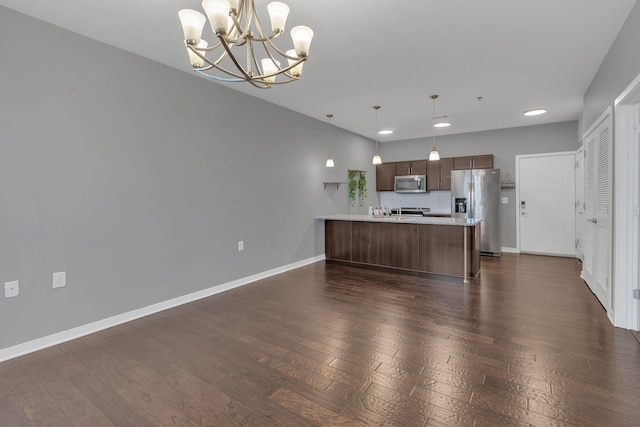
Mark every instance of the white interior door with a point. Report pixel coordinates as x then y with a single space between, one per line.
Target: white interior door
588 267
546 198
580 219
596 267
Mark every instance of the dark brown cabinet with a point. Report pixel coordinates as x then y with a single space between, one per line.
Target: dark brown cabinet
431 248
439 174
484 161
446 166
385 176
411 167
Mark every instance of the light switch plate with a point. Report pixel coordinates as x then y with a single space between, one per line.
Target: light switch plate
240 245
505 200
60 279
11 289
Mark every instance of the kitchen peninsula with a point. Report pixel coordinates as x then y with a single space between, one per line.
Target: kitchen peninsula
446 246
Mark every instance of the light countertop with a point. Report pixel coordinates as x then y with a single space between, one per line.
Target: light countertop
403 219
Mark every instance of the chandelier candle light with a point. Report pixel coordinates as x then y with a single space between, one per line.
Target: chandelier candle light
376 157
236 25
330 163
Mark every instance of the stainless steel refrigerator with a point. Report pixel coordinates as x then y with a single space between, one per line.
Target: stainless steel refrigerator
475 193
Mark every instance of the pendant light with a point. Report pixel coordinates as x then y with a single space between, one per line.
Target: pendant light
330 163
434 155
376 157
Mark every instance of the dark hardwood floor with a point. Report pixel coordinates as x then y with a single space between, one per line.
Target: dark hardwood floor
330 344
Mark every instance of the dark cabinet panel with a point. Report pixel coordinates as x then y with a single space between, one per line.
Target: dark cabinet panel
439 174
419 167
446 166
390 245
462 162
433 175
403 168
443 250
484 161
385 176
411 167
337 240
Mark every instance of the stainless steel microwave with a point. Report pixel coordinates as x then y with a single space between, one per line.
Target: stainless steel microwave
411 184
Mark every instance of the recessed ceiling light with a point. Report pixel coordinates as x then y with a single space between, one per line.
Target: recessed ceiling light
441 124
535 112
385 132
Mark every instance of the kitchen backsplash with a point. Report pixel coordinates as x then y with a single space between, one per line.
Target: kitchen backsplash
438 201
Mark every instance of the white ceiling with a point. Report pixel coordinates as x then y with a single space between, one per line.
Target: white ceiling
516 54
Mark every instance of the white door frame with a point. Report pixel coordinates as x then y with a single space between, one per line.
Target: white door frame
523 156
626 207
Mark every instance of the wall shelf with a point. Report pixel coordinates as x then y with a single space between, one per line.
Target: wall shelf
336 183
508 186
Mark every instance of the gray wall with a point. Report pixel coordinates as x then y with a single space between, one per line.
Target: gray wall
504 144
620 66
138 180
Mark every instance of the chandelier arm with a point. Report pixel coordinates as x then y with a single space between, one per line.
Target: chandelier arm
215 64
243 34
282 70
243 76
198 51
258 84
244 72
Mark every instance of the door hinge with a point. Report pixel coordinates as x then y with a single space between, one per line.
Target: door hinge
636 294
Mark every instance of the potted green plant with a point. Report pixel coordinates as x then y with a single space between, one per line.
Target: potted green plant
357 187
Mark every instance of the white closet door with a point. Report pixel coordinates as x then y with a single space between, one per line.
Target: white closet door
596 266
603 218
589 212
580 219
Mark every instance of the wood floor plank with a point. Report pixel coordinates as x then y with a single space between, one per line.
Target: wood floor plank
526 344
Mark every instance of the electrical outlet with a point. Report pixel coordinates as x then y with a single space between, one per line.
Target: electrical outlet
240 245
11 289
505 200
60 279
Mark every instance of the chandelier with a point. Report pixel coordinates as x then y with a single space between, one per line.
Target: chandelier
239 31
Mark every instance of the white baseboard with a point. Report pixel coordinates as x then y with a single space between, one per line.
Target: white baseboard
510 250
90 328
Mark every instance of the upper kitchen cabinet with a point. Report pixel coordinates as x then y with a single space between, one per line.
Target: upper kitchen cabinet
439 174
411 167
484 161
385 176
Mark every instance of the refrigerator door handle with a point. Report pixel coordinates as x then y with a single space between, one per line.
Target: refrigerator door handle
471 211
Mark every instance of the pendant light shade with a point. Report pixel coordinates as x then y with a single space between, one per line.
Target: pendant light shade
434 155
330 163
376 157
